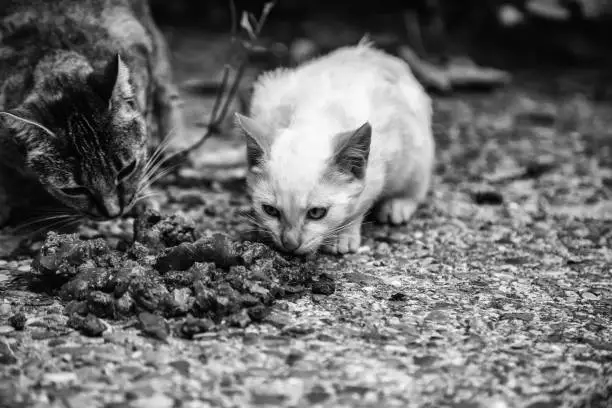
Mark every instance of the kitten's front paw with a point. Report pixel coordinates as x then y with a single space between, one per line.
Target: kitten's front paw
346 242
396 211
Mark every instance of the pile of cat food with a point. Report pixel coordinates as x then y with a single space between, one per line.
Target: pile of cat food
168 271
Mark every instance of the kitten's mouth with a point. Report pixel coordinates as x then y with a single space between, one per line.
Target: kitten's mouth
300 251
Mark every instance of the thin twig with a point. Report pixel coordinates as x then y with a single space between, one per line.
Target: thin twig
233 91
224 97
234 18
219 93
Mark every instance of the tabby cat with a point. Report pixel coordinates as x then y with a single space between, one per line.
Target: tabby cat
85 89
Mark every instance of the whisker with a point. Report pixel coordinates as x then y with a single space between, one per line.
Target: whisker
162 174
145 196
254 222
69 223
59 223
140 198
156 159
328 236
153 172
254 230
43 220
165 142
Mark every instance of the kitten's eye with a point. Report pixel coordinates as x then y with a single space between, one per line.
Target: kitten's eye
316 213
271 211
74 191
127 171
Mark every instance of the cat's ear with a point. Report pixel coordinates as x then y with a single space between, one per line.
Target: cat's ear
257 139
352 150
114 81
19 123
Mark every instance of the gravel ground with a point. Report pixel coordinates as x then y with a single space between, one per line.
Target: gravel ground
497 294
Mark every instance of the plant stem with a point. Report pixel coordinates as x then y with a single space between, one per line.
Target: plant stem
223 97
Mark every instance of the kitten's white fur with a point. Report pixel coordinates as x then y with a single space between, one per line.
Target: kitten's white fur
295 121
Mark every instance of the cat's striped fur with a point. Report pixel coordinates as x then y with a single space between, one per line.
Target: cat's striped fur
86 87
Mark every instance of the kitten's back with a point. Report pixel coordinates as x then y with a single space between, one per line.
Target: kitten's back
352 78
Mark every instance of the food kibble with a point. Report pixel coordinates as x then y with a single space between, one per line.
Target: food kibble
169 272
89 325
18 321
325 285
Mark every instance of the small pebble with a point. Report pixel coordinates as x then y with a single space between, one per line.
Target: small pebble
7 357
158 400
589 296
488 198
397 297
5 309
324 287
293 357
258 313
24 268
382 248
240 319
497 403
364 249
153 325
181 366
61 378
90 325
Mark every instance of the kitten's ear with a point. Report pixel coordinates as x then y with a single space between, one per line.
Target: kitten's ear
257 139
114 81
353 150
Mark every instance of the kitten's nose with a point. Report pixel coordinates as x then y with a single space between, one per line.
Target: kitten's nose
111 207
291 240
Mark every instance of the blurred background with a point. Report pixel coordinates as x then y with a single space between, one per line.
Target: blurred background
576 29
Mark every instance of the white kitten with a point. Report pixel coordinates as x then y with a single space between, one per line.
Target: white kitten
330 140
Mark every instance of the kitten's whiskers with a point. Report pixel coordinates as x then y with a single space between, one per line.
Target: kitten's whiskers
329 236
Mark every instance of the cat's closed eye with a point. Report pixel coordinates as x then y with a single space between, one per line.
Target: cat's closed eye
74 191
271 211
127 170
316 213
131 102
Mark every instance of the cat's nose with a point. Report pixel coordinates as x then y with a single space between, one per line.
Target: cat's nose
290 240
111 207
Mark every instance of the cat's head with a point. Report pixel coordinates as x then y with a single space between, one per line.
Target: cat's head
84 137
302 197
